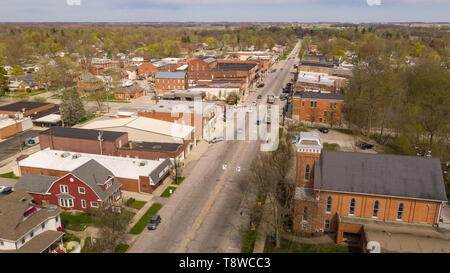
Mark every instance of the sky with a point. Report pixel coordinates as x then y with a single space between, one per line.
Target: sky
352 11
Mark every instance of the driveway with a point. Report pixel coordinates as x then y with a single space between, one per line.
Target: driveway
11 146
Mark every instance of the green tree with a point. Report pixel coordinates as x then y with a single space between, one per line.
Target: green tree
17 71
71 107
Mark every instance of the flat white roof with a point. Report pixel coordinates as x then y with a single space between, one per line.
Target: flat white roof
145 124
169 106
52 118
122 167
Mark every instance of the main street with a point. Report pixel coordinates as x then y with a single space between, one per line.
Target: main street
214 201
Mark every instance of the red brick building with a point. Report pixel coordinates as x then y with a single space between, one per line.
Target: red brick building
89 186
25 108
113 144
128 92
341 191
165 81
318 107
146 70
82 140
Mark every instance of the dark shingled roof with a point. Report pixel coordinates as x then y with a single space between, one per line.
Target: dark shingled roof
155 174
82 133
35 183
319 95
234 66
94 174
18 106
380 174
313 63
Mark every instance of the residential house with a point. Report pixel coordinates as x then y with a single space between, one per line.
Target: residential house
90 185
26 227
138 175
128 92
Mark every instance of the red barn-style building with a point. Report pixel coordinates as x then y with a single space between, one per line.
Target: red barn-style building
89 186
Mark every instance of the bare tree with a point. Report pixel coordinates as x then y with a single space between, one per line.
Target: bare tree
274 176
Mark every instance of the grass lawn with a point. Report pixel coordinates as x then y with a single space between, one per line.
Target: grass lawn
87 118
142 223
280 132
70 237
167 193
77 222
292 247
34 93
331 146
344 131
121 248
248 239
178 181
133 203
9 175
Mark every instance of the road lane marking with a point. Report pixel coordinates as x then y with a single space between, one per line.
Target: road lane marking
211 200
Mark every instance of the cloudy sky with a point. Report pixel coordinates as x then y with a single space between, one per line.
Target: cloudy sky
224 10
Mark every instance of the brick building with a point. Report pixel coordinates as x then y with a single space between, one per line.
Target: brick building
342 191
10 127
165 81
138 175
200 115
89 186
147 70
82 140
318 107
113 143
26 108
128 92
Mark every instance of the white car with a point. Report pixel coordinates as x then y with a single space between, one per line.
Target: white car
254 103
250 109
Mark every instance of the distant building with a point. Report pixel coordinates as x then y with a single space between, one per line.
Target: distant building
317 107
128 92
10 127
165 81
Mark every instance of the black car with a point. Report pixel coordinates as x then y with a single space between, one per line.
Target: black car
259 97
261 85
156 219
285 90
364 145
323 130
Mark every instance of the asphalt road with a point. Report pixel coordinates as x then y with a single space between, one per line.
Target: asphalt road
11 146
207 209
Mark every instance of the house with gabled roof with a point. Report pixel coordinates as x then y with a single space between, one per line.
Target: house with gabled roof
91 185
26 227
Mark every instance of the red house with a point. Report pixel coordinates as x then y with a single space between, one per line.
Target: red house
89 186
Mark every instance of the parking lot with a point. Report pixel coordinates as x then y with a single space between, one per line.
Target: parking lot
11 146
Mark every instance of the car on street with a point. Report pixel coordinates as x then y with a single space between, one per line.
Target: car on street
260 85
295 139
281 69
323 130
259 97
274 70
254 103
239 130
364 145
154 222
285 90
258 122
216 139
249 109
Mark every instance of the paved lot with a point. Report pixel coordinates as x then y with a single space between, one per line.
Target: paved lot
7 182
11 146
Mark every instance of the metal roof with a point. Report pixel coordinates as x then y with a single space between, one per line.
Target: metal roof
380 174
170 75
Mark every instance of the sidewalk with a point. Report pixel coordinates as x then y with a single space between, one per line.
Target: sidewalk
263 230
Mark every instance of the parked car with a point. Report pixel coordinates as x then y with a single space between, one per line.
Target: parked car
259 97
258 122
323 130
260 85
254 103
154 222
249 109
239 130
364 145
295 138
216 139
